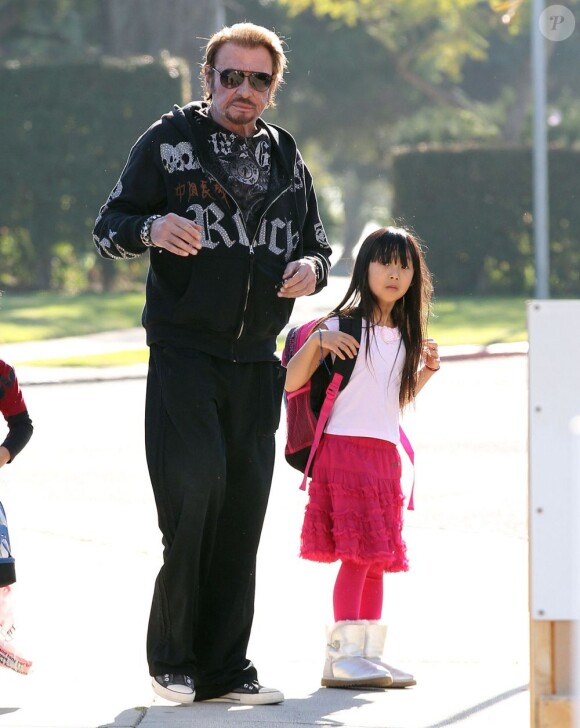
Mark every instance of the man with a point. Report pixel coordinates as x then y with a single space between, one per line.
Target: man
227 208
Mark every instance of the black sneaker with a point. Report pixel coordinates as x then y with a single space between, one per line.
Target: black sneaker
251 693
178 688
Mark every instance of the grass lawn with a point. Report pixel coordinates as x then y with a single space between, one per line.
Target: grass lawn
38 316
108 359
464 320
471 320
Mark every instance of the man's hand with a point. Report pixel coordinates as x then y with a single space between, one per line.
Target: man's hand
299 279
176 234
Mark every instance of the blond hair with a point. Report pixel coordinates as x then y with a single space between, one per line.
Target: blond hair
246 35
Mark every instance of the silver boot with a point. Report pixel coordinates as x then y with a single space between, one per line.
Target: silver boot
375 636
345 666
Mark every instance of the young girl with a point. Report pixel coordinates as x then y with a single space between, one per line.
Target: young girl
355 507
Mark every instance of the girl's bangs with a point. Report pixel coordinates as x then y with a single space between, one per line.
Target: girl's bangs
389 248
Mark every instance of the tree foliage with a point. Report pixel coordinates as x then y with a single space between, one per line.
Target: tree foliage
55 30
67 133
466 56
478 225
81 79
365 78
72 30
428 41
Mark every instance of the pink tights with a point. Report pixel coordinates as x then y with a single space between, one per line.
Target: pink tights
358 592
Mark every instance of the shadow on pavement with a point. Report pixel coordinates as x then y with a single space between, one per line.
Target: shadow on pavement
129 718
313 710
458 717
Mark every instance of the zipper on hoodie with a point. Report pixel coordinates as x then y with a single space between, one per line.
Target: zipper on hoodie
251 251
251 246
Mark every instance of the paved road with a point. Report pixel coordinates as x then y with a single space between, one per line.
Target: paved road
83 529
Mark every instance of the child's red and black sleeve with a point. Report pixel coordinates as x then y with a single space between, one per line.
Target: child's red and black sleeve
13 408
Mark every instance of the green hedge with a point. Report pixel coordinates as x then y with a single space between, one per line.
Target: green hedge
473 210
66 134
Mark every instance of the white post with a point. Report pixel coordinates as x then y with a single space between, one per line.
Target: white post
575 559
540 156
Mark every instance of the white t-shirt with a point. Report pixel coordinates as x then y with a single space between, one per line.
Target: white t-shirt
369 404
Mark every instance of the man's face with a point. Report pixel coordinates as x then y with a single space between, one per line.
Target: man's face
238 108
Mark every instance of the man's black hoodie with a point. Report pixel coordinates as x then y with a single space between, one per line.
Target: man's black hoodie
223 300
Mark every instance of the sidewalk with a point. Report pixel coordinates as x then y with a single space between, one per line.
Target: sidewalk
305 309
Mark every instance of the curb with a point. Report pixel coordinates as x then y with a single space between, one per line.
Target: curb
44 376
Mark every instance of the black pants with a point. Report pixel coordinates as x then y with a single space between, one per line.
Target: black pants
209 435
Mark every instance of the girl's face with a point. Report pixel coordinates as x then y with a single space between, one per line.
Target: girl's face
389 282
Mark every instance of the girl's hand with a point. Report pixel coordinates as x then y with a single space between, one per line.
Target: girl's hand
431 354
307 359
337 342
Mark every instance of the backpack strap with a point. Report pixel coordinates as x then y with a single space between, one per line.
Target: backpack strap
352 326
331 392
408 448
342 369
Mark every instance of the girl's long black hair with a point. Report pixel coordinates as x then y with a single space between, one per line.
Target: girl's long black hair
410 313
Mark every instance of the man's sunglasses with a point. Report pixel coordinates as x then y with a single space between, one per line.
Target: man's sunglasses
232 78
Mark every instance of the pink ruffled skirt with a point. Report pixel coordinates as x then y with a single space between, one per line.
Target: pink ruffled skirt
355 506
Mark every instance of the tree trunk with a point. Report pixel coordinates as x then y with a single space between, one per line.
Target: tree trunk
43 216
182 27
516 116
353 223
